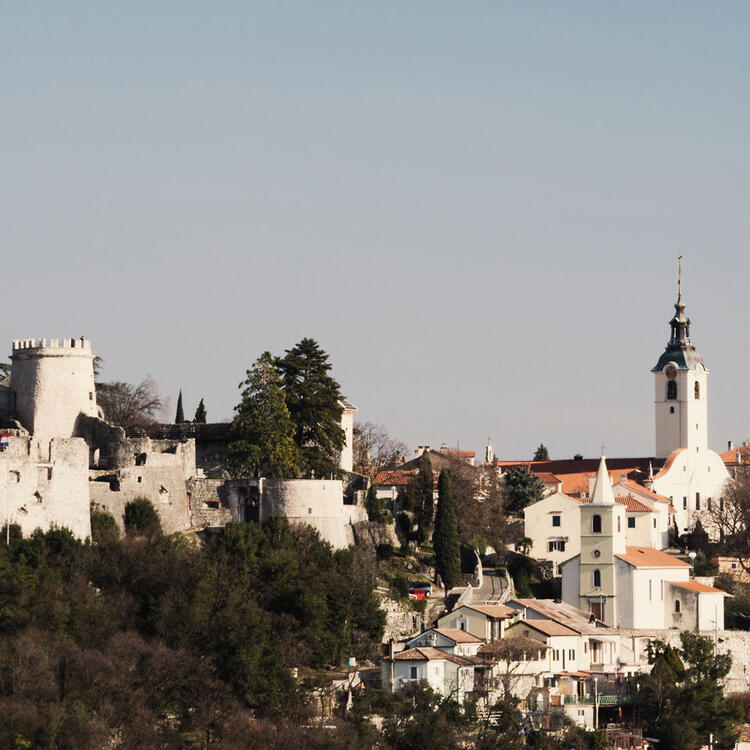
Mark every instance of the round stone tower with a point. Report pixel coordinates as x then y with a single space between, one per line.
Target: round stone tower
51 383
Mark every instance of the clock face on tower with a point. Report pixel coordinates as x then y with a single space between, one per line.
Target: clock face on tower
671 371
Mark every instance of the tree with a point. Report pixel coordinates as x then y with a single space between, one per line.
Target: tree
374 505
374 448
421 488
103 525
180 415
445 538
683 699
524 488
313 398
729 519
541 453
4 370
263 433
129 406
200 413
140 517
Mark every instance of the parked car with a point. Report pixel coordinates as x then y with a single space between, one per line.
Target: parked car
419 589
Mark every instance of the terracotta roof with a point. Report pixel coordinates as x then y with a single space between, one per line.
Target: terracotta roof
457 635
548 627
429 653
668 463
730 456
460 454
496 611
577 483
393 477
566 614
701 588
633 505
648 557
547 477
630 484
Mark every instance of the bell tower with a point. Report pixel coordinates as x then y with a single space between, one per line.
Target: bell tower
602 537
681 388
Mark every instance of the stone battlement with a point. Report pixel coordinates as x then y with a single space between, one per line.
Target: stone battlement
80 344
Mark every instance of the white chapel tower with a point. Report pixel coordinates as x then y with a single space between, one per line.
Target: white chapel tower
602 537
681 393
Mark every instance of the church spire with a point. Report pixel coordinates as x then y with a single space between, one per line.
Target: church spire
680 324
602 493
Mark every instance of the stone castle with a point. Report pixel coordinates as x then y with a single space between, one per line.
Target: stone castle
63 455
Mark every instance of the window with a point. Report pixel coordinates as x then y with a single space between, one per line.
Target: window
654 523
697 500
677 605
650 589
618 523
597 578
571 653
555 520
585 647
555 655
596 524
413 673
671 390
461 624
697 389
556 545
671 409
684 503
631 522
734 566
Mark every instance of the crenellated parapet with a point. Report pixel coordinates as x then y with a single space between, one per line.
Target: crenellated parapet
67 346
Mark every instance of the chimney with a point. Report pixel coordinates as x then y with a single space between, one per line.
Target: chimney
443 448
730 445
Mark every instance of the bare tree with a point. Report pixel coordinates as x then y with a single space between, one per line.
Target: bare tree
129 406
729 519
374 448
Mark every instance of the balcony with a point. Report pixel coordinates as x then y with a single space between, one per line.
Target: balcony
624 699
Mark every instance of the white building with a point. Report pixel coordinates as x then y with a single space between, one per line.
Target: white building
632 586
693 475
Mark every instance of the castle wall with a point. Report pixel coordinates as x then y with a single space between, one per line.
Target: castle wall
52 382
44 485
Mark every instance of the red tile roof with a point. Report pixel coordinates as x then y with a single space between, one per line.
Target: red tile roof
548 627
645 491
668 463
393 477
648 557
730 456
457 635
495 611
547 478
632 505
429 653
701 588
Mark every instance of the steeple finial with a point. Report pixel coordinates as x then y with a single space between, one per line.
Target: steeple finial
679 279
602 492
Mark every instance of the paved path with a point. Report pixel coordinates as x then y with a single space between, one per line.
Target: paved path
492 587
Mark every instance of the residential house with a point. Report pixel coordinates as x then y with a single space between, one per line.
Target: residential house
486 621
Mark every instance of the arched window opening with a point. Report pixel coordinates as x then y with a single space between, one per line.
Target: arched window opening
697 389
597 579
596 524
671 390
677 605
618 523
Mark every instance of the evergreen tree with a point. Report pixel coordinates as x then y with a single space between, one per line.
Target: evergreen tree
374 505
180 415
200 413
541 453
421 489
263 433
313 398
445 538
523 488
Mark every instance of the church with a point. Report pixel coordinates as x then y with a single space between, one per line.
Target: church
632 587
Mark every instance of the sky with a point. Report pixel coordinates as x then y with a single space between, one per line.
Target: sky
475 208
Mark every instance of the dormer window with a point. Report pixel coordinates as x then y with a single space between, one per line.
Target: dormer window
596 524
672 390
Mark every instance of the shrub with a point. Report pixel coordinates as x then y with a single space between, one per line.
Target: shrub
401 585
385 551
141 517
103 525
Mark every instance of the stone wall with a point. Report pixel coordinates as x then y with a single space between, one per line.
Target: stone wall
45 484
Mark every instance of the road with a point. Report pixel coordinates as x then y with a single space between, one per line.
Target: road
492 587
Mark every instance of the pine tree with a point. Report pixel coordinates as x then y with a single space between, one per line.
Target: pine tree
180 416
200 413
263 444
314 401
523 488
541 453
421 489
445 538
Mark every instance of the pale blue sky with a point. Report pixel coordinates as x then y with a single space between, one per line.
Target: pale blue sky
474 207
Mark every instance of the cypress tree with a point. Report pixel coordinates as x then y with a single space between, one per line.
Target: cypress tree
200 413
374 505
422 489
445 538
180 416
